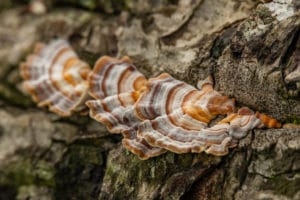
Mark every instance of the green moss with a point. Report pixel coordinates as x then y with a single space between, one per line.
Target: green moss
19 173
14 96
26 173
185 161
292 119
85 154
287 185
109 170
148 174
44 174
90 4
80 170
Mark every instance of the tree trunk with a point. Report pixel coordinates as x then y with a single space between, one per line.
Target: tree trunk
252 50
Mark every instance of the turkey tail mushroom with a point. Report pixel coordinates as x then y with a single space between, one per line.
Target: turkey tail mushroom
54 76
116 85
153 115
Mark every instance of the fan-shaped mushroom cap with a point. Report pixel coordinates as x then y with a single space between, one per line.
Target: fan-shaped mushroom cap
54 76
116 85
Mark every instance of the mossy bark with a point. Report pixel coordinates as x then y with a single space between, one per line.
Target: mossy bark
249 47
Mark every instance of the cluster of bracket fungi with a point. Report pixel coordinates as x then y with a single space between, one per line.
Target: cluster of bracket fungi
153 115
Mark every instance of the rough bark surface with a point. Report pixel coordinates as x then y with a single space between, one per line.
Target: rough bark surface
248 46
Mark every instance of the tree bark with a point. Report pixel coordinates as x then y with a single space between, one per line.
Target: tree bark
251 48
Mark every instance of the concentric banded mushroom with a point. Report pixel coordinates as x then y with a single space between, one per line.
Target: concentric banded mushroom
116 85
54 76
153 115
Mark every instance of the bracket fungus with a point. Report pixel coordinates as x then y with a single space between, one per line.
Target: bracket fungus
54 76
154 116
